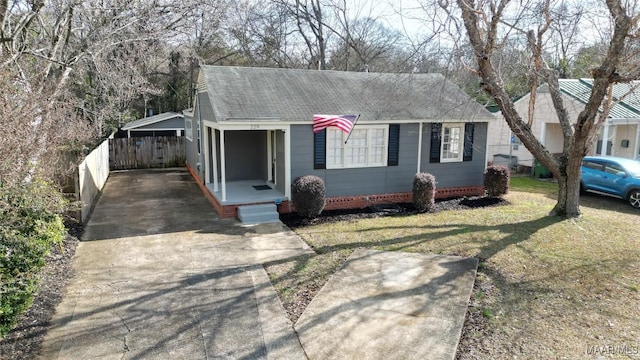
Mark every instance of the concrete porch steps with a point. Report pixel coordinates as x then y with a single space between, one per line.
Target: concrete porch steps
258 214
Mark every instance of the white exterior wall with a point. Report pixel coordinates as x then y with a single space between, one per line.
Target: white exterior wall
547 128
624 132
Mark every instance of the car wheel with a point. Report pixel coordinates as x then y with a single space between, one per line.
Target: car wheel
634 198
582 191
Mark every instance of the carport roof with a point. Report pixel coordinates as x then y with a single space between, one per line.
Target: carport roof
151 120
242 93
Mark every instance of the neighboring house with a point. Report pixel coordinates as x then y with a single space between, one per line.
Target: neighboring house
165 124
622 128
250 135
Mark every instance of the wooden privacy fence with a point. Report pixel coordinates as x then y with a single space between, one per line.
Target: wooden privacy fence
146 152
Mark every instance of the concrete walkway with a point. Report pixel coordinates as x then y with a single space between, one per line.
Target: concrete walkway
389 305
160 276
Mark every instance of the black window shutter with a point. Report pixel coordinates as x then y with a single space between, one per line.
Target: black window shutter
467 154
320 149
394 145
436 134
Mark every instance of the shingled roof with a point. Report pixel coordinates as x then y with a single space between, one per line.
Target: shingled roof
242 93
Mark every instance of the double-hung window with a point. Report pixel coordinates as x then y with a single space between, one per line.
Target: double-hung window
366 147
452 140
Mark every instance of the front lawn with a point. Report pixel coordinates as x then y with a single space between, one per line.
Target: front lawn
546 287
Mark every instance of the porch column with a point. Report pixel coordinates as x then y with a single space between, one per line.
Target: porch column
636 147
205 148
605 139
270 157
419 148
287 162
214 154
223 174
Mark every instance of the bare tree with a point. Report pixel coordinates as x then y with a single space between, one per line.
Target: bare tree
363 41
488 22
68 60
311 24
263 35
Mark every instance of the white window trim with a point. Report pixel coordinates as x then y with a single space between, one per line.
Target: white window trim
188 130
385 152
460 144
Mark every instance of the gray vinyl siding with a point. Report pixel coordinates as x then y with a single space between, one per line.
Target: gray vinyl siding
245 155
457 174
191 145
357 181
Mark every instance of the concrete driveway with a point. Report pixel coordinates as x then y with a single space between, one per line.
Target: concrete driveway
160 276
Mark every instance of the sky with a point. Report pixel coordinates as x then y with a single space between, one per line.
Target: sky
402 15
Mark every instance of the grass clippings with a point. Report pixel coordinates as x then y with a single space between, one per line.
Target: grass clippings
546 287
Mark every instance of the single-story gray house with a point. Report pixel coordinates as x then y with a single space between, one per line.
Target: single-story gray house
165 124
249 135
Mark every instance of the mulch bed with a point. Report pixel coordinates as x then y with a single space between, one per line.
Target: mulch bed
294 221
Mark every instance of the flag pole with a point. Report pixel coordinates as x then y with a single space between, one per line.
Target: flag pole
354 124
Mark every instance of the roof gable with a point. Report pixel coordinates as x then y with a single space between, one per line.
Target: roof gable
241 93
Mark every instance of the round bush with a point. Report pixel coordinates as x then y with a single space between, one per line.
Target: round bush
308 195
496 180
424 191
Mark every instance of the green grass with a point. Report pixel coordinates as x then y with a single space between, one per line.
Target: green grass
554 286
531 184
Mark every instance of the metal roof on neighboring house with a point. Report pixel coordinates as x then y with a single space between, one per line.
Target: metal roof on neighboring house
626 98
151 120
243 93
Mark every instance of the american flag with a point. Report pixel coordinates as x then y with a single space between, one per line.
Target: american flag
342 122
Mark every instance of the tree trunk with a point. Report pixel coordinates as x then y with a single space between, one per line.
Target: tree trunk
568 204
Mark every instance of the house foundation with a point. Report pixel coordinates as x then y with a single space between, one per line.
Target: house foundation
339 202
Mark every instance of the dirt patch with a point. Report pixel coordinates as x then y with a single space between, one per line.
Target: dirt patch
25 339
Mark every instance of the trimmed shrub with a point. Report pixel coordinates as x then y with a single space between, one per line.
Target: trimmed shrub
308 195
496 180
424 191
29 226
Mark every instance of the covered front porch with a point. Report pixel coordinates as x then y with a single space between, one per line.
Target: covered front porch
246 164
623 138
242 192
